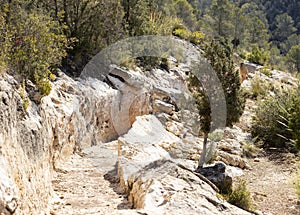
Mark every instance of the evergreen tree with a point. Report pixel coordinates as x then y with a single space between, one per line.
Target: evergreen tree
219 54
221 14
293 57
284 27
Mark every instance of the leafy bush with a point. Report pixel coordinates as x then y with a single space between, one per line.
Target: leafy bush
240 196
265 71
43 85
258 56
33 44
293 58
277 119
182 33
193 37
23 97
259 87
219 54
197 37
250 150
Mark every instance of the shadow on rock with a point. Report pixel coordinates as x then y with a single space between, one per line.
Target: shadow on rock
112 177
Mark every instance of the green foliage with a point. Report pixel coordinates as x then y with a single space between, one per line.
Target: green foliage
284 27
194 37
258 56
265 71
197 37
221 12
293 58
259 87
220 56
182 33
277 119
240 196
33 43
184 11
250 150
23 97
43 85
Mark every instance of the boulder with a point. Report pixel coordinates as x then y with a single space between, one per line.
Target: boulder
252 67
155 182
231 159
217 174
160 106
175 128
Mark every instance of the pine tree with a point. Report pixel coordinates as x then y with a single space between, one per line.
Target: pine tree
219 54
221 13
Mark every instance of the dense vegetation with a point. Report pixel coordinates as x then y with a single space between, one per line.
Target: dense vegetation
263 31
277 119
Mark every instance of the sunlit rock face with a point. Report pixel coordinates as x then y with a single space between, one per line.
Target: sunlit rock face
77 114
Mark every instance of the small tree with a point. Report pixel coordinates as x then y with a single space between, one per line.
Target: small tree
293 57
220 58
32 42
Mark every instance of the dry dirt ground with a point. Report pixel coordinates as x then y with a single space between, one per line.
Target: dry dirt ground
87 185
270 182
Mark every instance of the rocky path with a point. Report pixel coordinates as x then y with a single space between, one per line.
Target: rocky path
270 178
87 184
271 185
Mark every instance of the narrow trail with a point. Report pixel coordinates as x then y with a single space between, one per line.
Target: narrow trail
270 179
271 186
88 184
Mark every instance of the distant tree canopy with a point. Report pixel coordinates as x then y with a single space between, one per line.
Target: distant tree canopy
76 30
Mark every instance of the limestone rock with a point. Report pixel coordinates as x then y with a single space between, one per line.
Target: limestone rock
175 128
8 194
160 106
252 67
153 180
231 159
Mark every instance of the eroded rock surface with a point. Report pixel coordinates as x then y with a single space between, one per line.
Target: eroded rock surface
153 179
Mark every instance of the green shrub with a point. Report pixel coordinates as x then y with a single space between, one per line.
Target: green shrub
266 71
277 119
32 44
23 97
259 87
193 37
250 150
240 196
182 33
197 37
258 56
43 86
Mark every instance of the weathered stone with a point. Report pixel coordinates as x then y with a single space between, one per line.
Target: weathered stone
8 194
160 106
175 128
231 159
252 67
157 184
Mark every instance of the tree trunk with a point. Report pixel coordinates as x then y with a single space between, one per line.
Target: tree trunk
204 151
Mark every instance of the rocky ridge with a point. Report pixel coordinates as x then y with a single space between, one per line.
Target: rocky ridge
79 115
